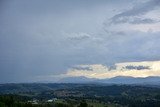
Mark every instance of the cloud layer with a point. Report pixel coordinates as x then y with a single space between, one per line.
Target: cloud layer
134 69
43 39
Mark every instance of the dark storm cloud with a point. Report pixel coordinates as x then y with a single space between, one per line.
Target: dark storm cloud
31 43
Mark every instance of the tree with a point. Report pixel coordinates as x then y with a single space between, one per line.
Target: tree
83 104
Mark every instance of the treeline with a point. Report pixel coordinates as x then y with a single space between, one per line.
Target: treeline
22 101
87 96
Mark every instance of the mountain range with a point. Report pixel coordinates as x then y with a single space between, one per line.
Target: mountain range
152 80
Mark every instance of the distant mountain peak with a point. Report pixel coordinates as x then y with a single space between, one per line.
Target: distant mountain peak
77 79
114 80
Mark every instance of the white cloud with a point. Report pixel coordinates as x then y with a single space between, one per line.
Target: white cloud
101 71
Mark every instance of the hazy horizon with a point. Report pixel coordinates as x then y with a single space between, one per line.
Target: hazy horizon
48 40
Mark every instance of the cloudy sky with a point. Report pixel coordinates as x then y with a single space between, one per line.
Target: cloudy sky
45 40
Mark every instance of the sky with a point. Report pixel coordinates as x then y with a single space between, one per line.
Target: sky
46 40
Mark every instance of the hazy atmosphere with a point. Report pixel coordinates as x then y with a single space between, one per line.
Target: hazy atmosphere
47 40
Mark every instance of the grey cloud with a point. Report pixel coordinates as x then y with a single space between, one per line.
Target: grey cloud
130 67
134 20
78 36
31 42
83 68
109 32
136 11
142 21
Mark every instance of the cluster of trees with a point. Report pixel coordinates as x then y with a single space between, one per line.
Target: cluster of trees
19 101
14 101
121 95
